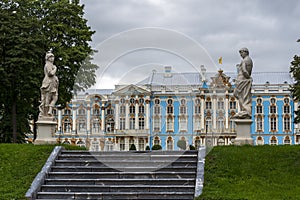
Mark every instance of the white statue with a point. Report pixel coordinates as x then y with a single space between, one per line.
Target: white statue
243 86
49 89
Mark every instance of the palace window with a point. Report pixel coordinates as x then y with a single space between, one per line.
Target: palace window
67 112
197 143
259 124
96 111
109 146
131 109
110 125
232 126
156 124
232 105
273 140
220 125
197 101
156 101
183 110
208 105
157 110
110 111
132 123
122 110
141 123
156 141
141 144
82 125
122 144
183 124
170 101
96 126
259 109
260 140
170 110
208 124
170 124
122 100
67 126
286 109
272 100
287 123
170 143
287 140
141 109
273 109
131 142
273 124
220 105
197 123
141 100
132 101
122 123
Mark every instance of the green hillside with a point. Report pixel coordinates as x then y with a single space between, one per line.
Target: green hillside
252 172
19 165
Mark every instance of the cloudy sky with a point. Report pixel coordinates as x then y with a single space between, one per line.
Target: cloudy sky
135 37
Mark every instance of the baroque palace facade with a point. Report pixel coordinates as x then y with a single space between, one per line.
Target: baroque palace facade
167 107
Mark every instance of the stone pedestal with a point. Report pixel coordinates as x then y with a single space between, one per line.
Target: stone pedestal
243 135
45 131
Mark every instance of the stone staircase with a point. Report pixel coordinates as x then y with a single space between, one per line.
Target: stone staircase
121 175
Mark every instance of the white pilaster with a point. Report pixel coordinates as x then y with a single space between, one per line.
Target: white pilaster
126 115
136 116
88 120
226 112
202 113
147 114
116 115
214 108
73 119
59 120
102 118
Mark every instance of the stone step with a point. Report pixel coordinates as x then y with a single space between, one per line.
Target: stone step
121 175
87 182
116 195
126 157
108 169
112 153
127 163
117 188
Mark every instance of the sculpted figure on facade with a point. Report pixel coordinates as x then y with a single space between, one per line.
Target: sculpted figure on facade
49 89
243 85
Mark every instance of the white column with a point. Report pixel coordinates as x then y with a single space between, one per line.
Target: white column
226 112
73 119
116 115
102 118
59 120
126 115
214 108
136 115
202 113
88 120
147 114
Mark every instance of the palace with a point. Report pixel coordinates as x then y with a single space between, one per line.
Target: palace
167 107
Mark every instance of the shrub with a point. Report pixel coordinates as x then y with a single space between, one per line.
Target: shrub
147 148
181 144
132 147
156 147
192 147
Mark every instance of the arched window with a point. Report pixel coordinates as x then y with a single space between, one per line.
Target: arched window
96 125
132 123
141 123
170 143
273 123
141 144
109 145
156 141
122 144
80 143
208 124
110 125
170 124
273 140
260 140
67 125
287 140
156 124
122 109
183 124
221 141
197 143
81 125
132 109
141 109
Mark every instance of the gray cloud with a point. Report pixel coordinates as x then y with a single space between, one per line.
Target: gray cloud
268 28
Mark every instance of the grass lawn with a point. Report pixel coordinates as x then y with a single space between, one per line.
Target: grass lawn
252 172
19 165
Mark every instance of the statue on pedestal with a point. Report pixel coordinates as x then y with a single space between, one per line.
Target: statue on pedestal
243 85
49 89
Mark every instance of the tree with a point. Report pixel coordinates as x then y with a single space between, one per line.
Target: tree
132 147
156 147
28 30
295 88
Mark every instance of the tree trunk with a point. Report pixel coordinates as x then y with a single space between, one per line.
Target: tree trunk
14 121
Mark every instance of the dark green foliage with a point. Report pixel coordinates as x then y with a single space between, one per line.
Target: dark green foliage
252 172
192 147
181 144
147 148
295 89
132 147
28 30
156 147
